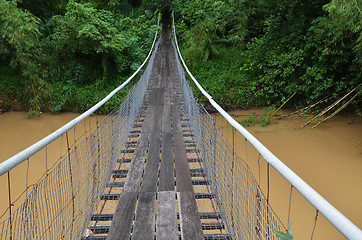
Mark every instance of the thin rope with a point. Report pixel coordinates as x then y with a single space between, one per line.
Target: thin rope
61 145
267 172
290 204
46 158
74 136
10 205
246 151
259 167
315 223
27 176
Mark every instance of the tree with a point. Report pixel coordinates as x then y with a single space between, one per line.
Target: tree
20 42
345 21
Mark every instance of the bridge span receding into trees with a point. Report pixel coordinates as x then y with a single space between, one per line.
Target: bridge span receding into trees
155 168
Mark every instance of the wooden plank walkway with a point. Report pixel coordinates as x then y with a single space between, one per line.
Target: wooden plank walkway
156 198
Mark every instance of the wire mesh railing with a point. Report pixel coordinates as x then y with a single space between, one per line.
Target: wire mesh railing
238 193
243 206
60 204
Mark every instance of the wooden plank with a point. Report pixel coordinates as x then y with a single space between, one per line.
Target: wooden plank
167 178
149 183
135 171
183 176
150 177
122 219
190 223
157 96
134 175
149 118
166 113
153 97
144 226
161 92
166 228
176 121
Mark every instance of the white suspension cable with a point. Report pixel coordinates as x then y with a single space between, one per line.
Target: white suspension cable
336 218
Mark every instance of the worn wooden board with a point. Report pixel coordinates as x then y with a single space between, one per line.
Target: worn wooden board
153 96
166 113
183 176
138 205
167 179
134 175
160 96
144 225
190 223
122 219
150 177
166 226
176 121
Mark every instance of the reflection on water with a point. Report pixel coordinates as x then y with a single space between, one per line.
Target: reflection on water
18 134
328 158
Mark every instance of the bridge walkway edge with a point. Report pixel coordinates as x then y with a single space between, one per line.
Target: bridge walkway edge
157 198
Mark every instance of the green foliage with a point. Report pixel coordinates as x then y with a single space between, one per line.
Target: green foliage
44 9
345 22
11 86
88 35
285 236
312 48
99 40
73 53
220 75
92 50
154 5
205 25
20 43
263 119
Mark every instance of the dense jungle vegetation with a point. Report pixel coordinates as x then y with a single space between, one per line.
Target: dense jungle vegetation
67 55
261 52
61 55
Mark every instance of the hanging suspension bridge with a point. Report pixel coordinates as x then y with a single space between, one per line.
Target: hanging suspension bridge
155 168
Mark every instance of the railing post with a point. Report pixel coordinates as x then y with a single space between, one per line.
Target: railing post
10 205
71 186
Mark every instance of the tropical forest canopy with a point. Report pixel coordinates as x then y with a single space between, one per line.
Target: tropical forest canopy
260 52
67 54
61 55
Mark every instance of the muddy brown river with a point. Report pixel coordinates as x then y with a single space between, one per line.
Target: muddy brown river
328 158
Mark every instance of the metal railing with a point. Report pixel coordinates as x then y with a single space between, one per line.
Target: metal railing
59 206
337 219
243 207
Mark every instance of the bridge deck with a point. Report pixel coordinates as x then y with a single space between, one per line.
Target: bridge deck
155 182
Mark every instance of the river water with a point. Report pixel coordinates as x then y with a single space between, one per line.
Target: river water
17 133
328 158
